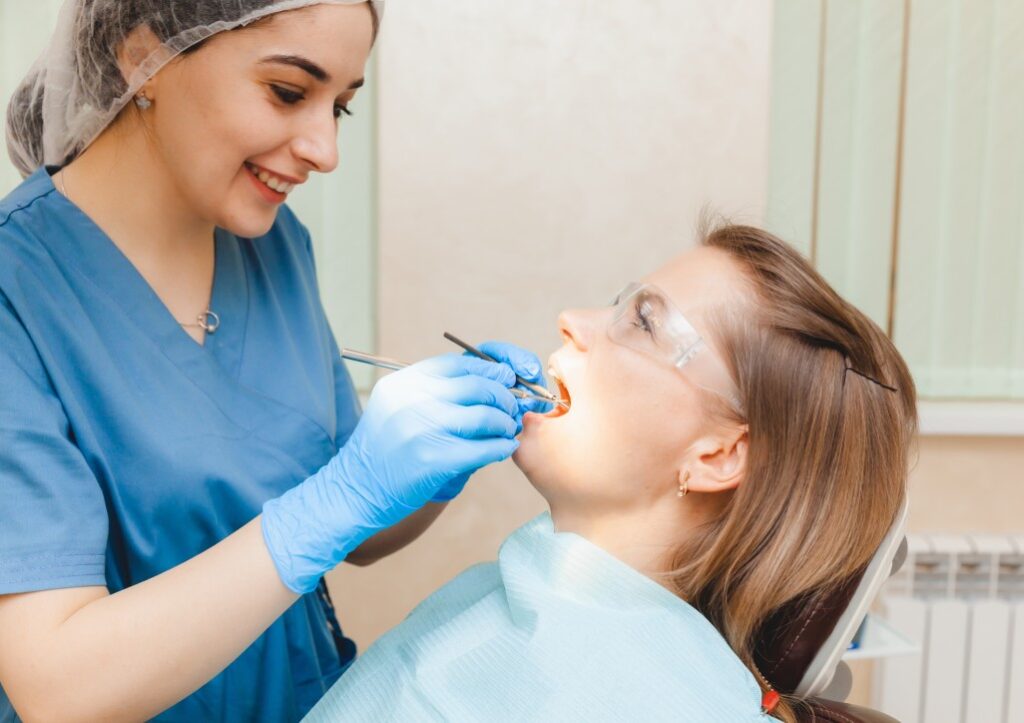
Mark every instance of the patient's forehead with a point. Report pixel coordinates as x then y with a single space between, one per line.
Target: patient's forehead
699 278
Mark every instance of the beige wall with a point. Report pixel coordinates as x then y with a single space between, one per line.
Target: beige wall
536 155
968 484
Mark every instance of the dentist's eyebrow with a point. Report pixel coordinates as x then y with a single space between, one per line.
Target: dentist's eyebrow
309 66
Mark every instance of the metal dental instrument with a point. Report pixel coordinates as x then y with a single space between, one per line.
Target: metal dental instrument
538 390
378 361
394 365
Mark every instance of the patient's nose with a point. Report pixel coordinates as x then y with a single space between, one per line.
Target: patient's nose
578 326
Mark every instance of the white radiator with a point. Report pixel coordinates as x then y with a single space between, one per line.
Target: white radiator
961 600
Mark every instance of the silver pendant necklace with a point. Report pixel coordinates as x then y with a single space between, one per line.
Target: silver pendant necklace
208 320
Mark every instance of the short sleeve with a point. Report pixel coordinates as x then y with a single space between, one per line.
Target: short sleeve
53 520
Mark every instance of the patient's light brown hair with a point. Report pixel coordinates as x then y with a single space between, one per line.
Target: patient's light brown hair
828 451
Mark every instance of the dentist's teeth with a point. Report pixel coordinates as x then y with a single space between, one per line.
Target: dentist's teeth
272 182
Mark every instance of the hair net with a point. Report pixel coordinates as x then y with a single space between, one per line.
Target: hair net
76 88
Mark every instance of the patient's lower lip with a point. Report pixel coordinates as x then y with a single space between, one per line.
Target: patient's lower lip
556 411
533 419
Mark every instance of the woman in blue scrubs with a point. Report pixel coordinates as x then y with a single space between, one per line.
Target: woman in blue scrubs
182 455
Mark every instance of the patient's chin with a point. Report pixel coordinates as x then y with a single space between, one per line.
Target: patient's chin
536 473
522 455
530 457
536 457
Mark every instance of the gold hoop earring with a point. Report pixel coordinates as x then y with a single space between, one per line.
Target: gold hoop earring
684 486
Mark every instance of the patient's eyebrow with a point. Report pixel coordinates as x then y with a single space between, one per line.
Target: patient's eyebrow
309 66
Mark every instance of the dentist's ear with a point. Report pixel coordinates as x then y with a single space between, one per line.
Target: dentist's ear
135 48
721 461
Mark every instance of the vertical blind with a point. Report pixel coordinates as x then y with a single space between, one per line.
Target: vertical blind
897 164
340 209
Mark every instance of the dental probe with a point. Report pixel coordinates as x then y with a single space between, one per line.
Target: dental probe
539 391
394 365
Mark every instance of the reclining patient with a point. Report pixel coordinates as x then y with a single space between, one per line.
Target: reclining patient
738 439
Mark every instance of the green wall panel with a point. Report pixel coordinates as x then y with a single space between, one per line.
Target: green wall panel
918 219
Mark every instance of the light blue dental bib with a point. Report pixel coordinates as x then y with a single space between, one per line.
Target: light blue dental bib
557 629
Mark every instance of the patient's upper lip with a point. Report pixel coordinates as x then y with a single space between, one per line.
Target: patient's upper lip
556 371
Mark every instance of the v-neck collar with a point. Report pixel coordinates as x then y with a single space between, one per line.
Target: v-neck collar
110 270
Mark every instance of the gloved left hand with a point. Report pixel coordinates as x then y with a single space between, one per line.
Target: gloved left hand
525 364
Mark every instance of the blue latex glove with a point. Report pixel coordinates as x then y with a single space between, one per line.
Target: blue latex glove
424 425
528 366
525 364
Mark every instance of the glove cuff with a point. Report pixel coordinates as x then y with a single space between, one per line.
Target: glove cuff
313 526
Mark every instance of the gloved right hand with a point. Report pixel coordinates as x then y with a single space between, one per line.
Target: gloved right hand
526 364
423 426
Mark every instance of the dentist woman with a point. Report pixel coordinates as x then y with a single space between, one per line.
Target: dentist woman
182 456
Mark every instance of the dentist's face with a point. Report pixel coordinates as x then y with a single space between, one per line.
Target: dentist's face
252 113
633 417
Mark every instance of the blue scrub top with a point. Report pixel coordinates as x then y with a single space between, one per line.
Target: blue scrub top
126 448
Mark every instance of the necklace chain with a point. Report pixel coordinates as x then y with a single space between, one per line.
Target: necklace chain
208 320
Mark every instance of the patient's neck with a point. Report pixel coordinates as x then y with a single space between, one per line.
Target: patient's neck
645 539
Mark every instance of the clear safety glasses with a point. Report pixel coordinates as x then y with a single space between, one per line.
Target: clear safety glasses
646 320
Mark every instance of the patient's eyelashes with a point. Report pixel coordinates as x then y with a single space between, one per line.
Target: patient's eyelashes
642 316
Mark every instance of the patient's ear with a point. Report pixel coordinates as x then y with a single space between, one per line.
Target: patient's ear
718 462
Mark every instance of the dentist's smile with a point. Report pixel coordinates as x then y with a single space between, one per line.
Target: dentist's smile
272 186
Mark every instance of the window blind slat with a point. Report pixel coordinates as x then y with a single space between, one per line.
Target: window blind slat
924 211
793 121
859 139
998 323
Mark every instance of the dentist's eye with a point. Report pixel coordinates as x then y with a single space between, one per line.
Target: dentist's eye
285 95
339 109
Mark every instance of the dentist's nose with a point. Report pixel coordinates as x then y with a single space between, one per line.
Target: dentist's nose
317 144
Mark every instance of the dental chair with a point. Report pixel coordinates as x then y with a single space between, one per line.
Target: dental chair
800 651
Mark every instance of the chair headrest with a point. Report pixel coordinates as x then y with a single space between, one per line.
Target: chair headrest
800 645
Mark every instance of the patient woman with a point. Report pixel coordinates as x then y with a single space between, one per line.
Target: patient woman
737 439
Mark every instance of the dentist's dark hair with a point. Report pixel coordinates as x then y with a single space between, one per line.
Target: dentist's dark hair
831 410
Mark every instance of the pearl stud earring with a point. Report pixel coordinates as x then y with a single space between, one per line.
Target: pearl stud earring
142 101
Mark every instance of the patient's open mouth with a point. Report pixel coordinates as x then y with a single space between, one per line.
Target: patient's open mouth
563 392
